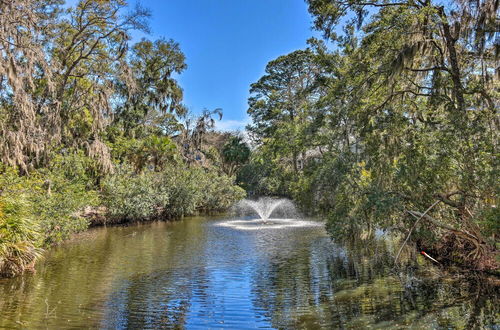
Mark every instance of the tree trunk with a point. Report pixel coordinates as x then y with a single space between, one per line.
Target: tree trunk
295 168
458 91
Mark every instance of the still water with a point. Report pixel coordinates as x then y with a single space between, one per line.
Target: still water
197 274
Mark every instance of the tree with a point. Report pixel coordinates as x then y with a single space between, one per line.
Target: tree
438 46
235 154
194 131
26 31
57 71
427 96
281 105
150 92
422 102
90 47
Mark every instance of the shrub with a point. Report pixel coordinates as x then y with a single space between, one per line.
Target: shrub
60 194
219 192
131 197
42 208
58 213
172 193
46 206
18 236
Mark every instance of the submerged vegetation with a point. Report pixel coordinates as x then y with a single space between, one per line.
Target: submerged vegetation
395 126
93 129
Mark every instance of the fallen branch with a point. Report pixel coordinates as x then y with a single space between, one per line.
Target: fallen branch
412 228
441 225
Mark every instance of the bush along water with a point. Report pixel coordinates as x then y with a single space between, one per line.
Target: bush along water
41 209
174 192
67 196
19 236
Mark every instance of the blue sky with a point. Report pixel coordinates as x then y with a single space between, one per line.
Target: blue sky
227 44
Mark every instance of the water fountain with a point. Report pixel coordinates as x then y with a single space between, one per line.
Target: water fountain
265 206
273 213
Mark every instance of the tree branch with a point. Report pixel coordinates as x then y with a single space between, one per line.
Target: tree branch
413 227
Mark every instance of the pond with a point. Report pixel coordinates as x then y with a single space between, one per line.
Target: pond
201 273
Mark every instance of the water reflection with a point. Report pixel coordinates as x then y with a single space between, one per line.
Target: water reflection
196 274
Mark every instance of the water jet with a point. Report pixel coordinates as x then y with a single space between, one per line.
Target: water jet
264 207
266 213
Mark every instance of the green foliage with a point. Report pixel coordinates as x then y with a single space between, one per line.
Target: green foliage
235 153
149 93
489 221
217 192
388 123
280 107
154 151
130 196
172 193
195 132
64 190
18 236
43 208
262 177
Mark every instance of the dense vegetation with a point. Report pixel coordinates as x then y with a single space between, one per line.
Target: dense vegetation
389 122
93 129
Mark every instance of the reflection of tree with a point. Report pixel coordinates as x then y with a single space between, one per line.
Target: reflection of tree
161 298
157 300
38 300
355 286
460 304
77 278
484 310
292 275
